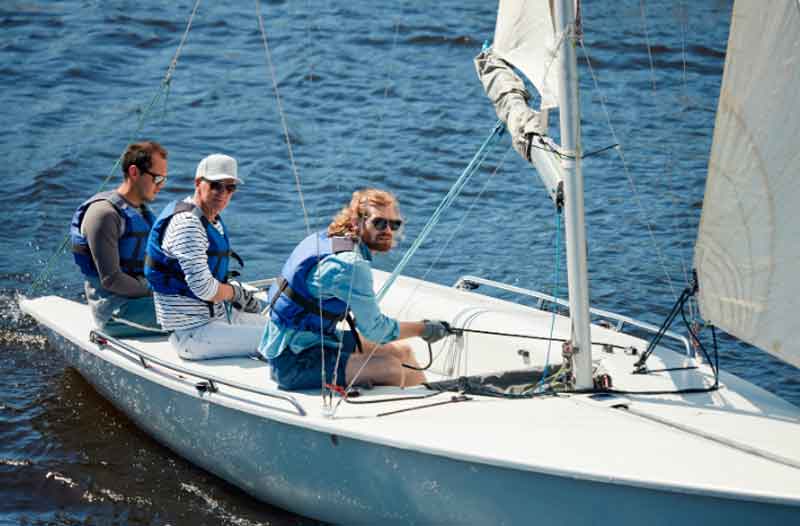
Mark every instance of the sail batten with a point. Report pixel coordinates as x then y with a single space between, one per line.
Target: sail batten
747 253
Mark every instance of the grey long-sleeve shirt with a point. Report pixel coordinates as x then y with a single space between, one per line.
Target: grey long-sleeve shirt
103 227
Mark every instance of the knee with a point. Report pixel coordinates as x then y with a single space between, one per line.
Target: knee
403 352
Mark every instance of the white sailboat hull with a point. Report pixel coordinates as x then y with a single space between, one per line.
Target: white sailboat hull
486 461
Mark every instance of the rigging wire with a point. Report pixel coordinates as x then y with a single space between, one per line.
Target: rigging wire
326 401
389 73
532 337
550 148
643 12
163 88
309 18
450 238
684 10
627 171
671 164
651 61
284 124
554 307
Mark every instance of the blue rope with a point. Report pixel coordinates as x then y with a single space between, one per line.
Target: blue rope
455 190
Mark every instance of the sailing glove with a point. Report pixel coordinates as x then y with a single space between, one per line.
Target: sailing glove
243 299
435 330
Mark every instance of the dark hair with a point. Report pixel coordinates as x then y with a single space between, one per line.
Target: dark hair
140 154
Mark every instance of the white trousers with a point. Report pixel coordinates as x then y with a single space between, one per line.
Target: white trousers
220 339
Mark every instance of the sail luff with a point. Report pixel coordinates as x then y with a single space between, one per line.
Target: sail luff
747 250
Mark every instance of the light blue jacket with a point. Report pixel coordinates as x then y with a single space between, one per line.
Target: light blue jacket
347 276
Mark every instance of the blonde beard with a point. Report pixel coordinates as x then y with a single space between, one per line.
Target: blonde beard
379 246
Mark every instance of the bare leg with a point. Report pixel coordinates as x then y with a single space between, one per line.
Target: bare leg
403 352
379 370
386 365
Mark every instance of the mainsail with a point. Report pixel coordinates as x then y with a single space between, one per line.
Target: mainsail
525 37
748 249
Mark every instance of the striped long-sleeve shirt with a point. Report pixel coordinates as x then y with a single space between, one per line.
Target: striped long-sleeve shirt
186 240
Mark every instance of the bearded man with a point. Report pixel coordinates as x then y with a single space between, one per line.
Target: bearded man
327 277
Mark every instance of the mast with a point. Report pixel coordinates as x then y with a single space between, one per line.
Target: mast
574 223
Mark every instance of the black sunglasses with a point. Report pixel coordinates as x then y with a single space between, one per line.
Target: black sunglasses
158 179
380 223
218 187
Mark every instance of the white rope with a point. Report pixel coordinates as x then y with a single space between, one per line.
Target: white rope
174 62
271 69
643 13
389 73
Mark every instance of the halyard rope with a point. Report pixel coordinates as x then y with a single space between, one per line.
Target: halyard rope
271 70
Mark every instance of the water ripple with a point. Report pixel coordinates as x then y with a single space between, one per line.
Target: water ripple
374 93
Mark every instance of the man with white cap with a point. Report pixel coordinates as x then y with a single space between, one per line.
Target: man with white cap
188 252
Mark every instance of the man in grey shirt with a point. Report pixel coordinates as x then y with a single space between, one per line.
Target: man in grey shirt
109 235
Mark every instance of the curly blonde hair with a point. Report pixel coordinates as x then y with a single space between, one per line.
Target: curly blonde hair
343 223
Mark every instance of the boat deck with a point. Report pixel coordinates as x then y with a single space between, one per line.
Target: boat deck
737 442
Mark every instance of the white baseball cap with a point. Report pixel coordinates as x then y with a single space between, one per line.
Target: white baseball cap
216 167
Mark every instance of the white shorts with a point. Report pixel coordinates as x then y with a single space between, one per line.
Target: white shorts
220 339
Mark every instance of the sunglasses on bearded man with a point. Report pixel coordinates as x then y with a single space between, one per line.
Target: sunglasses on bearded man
380 223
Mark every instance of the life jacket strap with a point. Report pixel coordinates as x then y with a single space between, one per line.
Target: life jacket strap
157 265
237 257
352 324
164 269
305 304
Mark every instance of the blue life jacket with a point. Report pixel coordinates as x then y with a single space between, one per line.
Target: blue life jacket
292 305
164 273
131 245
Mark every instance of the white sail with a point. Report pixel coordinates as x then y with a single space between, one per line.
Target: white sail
748 249
524 36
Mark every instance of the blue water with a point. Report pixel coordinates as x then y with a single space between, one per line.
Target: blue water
374 93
